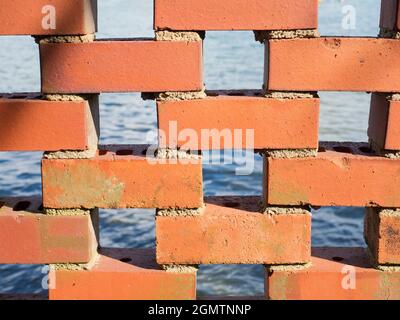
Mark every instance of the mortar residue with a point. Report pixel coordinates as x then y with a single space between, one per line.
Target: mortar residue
179 36
262 36
66 39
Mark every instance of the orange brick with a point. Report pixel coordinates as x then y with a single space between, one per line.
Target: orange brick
390 15
335 274
382 234
384 122
333 64
342 175
121 66
30 124
122 177
225 118
123 274
232 230
29 237
235 15
72 17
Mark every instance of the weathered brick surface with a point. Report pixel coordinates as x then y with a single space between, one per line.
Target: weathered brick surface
28 236
225 118
235 14
233 230
121 66
123 274
122 178
335 274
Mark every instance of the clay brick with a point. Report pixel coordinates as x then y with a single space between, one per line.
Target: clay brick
384 122
123 274
122 177
390 15
121 66
382 234
72 17
28 236
333 64
36 125
335 274
275 123
232 230
235 15
341 175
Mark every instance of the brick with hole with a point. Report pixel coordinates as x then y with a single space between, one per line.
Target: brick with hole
27 236
234 230
384 122
123 274
333 64
188 15
342 174
335 274
121 66
239 120
48 17
123 177
382 234
390 15
31 124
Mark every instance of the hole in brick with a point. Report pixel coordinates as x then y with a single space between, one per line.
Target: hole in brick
337 259
144 152
212 94
124 152
2 204
126 260
22 206
102 152
40 208
231 204
236 94
257 94
18 96
321 149
342 149
367 150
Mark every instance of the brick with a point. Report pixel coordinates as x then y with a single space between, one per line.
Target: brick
390 15
27 236
121 66
274 123
333 64
72 17
341 175
122 177
123 274
384 119
31 124
335 274
233 230
235 15
382 234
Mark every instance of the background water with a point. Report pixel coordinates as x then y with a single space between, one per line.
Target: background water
233 60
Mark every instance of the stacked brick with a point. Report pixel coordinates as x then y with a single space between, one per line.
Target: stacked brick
274 230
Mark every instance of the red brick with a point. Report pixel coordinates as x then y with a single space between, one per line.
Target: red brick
73 17
340 176
276 123
334 64
390 14
116 180
384 122
137 278
382 234
29 237
37 125
233 230
335 274
121 66
235 15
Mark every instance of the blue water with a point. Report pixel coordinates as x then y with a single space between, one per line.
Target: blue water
233 60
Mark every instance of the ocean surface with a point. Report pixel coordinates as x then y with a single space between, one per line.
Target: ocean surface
233 60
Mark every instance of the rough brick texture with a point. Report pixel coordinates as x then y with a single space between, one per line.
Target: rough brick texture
333 64
225 119
390 15
341 175
72 17
121 66
28 236
235 14
122 178
233 230
382 234
123 274
335 274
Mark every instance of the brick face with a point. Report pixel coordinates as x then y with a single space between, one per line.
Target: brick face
232 230
121 66
235 14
